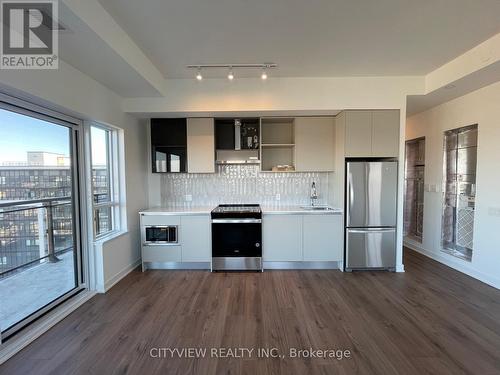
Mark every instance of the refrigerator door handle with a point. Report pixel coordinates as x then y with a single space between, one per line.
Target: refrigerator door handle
381 230
348 197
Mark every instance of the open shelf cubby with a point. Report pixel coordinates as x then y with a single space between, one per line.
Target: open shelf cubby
277 142
277 130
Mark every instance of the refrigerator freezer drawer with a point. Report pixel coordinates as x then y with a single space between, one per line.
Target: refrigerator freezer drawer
370 248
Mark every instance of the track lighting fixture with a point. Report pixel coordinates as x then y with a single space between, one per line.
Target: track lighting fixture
232 67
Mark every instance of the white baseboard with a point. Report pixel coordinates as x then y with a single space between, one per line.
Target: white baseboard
457 264
341 265
177 266
305 265
116 278
38 328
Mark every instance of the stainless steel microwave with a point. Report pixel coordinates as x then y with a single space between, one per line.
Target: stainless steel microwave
160 235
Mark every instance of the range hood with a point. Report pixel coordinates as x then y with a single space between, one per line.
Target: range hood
237 140
237 157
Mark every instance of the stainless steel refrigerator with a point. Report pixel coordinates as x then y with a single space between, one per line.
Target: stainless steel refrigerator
371 210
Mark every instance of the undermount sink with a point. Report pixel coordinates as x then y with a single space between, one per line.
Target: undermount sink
317 208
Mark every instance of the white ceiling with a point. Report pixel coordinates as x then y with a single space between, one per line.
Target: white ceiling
81 47
481 78
306 38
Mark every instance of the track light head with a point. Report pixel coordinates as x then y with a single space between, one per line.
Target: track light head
264 74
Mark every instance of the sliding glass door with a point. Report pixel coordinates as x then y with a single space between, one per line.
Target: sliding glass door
40 258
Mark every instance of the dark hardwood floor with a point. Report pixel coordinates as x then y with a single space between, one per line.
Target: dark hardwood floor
429 320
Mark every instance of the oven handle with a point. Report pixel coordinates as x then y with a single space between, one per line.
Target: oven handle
236 221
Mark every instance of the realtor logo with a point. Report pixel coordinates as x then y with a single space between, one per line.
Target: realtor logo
29 34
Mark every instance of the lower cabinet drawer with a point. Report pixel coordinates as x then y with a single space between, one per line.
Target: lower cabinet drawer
161 253
160 220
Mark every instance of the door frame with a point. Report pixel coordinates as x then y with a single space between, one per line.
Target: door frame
79 203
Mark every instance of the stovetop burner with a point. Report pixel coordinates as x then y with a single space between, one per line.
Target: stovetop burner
237 210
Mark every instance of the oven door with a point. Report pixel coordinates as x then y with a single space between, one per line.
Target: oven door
236 238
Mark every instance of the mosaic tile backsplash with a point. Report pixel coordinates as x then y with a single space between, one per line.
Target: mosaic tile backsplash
243 184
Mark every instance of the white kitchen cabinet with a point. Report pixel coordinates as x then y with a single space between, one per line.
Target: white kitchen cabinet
385 133
171 220
358 133
282 238
161 253
323 238
195 238
200 145
314 144
372 133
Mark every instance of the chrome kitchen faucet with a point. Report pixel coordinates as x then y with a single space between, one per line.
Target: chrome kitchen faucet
314 193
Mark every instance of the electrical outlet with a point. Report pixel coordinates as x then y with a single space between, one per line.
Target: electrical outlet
188 197
278 197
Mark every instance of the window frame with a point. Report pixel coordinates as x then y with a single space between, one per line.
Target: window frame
116 178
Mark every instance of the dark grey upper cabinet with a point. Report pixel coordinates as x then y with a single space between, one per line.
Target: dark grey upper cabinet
224 134
169 132
169 145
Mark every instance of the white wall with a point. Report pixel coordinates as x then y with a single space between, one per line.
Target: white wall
69 91
122 254
318 95
481 107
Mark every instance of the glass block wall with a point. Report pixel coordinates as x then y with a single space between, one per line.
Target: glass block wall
459 191
243 184
414 189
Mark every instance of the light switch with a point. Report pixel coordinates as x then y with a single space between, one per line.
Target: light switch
278 197
188 197
435 188
494 211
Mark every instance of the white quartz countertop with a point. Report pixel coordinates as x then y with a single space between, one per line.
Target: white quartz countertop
274 209
298 210
168 210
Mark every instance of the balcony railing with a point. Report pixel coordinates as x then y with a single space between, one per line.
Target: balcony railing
33 232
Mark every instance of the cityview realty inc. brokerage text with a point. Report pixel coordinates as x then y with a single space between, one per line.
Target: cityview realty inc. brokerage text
246 352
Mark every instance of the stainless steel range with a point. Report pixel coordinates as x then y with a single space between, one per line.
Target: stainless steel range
237 237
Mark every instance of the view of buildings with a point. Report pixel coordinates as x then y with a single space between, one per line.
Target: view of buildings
23 225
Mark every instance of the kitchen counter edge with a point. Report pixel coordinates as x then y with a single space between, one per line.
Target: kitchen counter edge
205 210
